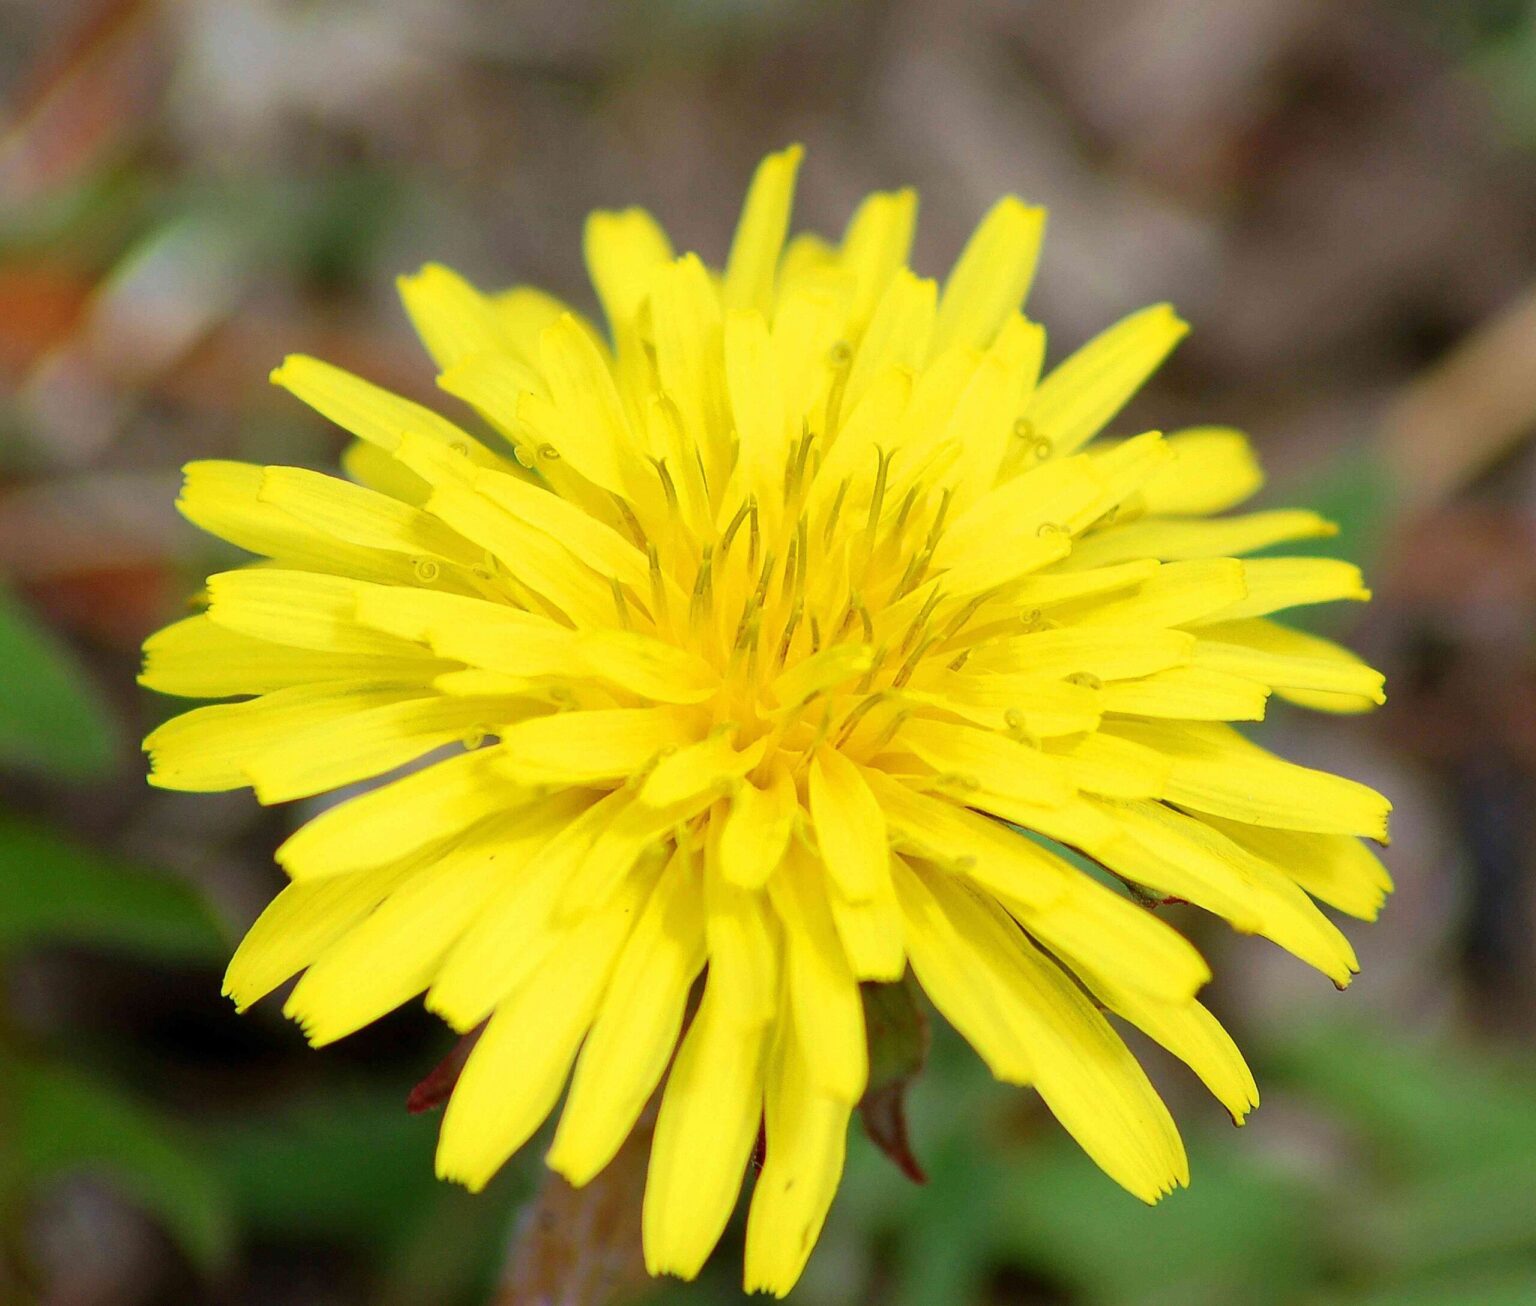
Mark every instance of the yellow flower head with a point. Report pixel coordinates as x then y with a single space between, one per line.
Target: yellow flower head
745 649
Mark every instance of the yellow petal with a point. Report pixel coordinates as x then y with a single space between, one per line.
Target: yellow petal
849 825
808 259
637 1025
1192 1034
924 452
595 543
1276 583
491 635
386 823
1050 499
1074 401
1006 562
982 424
531 557
850 466
871 931
370 412
524 312
992 275
645 666
1106 764
1096 929
473 682
1334 868
516 930
754 256
222 498
594 435
514 1074
452 318
707 766
704 1135
1067 586
1086 1075
1077 824
743 944
1104 652
969 995
494 385
392 955
1216 770
1178 538
1194 693
369 465
623 251
208 749
687 330
373 537
1213 469
875 246
898 335
823 991
633 838
362 517
757 401
1178 855
370 742
820 673
1009 766
939 831
303 608
197 658
1126 466
303 920
602 744
806 1133
1041 706
1177 593
757 829
1301 666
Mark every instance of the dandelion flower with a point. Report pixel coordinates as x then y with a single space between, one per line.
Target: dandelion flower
777 638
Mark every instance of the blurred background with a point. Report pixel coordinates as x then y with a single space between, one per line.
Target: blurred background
1338 196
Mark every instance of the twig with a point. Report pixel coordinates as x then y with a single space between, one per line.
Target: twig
1467 411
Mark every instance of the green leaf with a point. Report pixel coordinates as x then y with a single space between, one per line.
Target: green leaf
455 1251
349 1164
897 1030
1242 1231
1428 1108
945 1231
898 1045
1450 1214
1502 1283
68 1122
1356 490
52 720
55 890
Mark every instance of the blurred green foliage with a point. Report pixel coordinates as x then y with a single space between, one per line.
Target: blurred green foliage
56 890
350 1166
69 1120
1496 43
346 1164
1422 1196
52 720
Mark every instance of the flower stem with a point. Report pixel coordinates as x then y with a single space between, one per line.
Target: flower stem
581 1246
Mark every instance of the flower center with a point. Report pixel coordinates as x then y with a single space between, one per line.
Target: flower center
825 613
